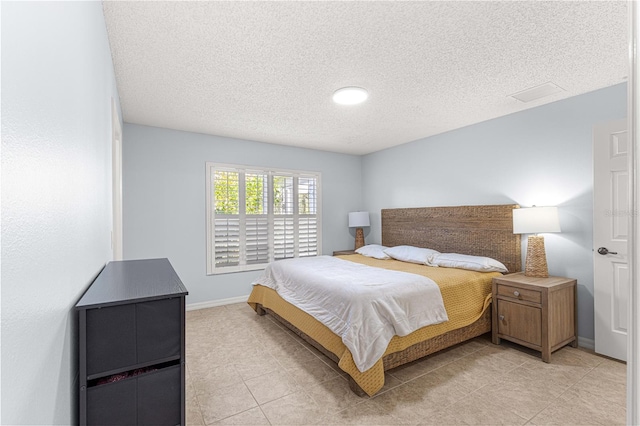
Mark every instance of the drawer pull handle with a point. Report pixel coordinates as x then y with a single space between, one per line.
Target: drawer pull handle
501 317
516 293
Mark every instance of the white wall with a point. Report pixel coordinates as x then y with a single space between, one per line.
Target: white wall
164 199
541 156
57 84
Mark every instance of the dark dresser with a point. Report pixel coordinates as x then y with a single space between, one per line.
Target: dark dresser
131 326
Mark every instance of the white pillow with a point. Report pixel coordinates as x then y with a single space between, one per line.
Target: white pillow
465 261
373 250
412 254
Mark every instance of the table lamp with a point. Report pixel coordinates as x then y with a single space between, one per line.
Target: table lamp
358 220
536 220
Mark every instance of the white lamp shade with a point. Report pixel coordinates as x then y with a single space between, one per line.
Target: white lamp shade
536 220
358 219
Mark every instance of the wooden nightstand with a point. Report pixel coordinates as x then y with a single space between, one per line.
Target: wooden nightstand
343 252
539 313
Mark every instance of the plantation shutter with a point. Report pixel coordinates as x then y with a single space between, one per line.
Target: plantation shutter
283 238
283 220
256 218
227 218
259 216
308 237
307 216
257 239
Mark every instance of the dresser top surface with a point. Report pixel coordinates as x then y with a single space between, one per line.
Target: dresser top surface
130 281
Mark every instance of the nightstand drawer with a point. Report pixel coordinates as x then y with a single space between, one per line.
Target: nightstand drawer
519 293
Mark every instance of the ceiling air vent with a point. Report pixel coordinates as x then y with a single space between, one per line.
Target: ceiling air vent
537 92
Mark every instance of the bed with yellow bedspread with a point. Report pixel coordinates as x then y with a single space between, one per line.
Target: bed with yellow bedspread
466 296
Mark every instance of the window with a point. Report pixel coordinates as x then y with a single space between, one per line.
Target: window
255 216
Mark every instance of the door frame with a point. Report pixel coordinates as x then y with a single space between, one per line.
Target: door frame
633 116
116 182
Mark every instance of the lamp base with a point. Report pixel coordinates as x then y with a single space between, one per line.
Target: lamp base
359 238
536 262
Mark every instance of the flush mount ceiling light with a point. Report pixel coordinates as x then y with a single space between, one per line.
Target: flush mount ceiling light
350 95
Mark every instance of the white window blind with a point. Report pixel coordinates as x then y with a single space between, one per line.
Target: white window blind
257 216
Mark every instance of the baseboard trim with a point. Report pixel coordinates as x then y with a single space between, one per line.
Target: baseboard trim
583 342
214 303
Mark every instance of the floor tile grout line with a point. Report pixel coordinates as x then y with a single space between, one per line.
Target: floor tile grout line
549 404
195 396
199 409
470 393
472 350
574 385
264 414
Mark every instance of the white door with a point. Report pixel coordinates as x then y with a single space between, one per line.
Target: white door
611 216
116 173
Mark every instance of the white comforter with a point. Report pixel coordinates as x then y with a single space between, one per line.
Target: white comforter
365 306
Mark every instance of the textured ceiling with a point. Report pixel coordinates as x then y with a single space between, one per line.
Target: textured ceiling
266 71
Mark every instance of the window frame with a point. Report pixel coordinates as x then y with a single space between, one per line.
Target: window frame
212 167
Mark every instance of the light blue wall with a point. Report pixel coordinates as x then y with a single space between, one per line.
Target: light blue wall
541 156
164 199
57 85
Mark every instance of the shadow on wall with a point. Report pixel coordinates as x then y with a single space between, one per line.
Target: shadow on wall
576 217
571 254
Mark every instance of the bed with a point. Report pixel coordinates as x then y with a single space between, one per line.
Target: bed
476 230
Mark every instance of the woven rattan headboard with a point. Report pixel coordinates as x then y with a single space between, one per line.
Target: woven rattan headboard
477 230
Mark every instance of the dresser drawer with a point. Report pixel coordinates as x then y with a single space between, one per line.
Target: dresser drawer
519 293
124 336
151 398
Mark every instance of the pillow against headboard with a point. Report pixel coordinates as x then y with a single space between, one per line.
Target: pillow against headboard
465 261
373 250
412 254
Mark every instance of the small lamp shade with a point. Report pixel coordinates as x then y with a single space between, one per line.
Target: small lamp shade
536 220
358 220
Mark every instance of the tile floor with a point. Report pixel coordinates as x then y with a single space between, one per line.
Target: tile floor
243 369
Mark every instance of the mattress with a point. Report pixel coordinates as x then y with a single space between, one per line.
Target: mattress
365 306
